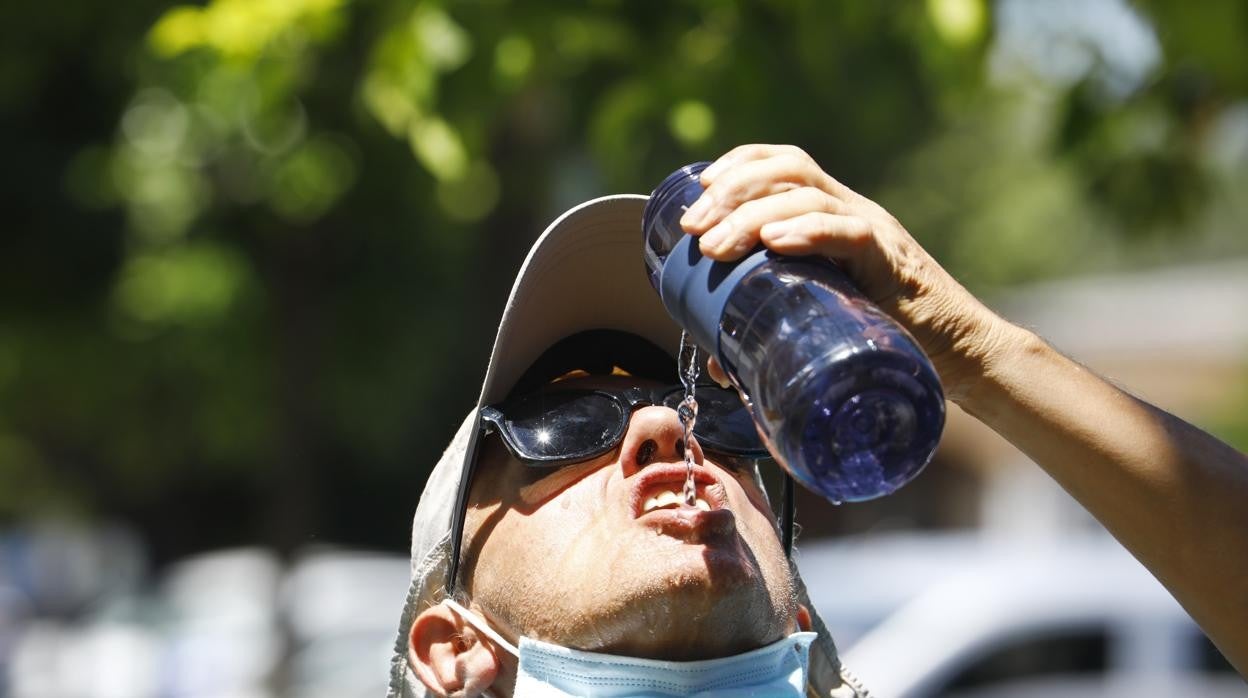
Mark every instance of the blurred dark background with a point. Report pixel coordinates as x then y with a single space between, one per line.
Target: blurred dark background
254 250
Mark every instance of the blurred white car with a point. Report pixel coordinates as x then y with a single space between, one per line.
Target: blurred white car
968 615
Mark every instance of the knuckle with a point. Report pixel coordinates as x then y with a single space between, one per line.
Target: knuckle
752 150
791 163
814 199
731 191
818 225
748 210
797 153
858 230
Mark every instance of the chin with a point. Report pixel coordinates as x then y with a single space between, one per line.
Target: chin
715 571
694 602
688 624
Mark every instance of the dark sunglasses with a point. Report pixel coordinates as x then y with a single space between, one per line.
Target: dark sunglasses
556 427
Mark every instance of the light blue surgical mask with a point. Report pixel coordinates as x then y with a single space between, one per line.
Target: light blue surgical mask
779 669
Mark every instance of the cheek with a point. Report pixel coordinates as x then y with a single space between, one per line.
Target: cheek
504 564
533 542
756 500
757 522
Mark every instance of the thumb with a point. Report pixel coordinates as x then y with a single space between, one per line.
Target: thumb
830 234
716 372
849 240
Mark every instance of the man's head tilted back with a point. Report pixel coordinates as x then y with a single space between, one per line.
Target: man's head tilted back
554 519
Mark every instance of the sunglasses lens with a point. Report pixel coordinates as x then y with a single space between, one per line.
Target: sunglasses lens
723 422
563 426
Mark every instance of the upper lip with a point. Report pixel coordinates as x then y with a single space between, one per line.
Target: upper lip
662 475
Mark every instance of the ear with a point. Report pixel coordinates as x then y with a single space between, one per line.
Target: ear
803 618
449 656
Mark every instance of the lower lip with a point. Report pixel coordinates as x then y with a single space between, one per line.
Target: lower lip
690 524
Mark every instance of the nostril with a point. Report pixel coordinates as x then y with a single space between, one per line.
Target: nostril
680 447
646 451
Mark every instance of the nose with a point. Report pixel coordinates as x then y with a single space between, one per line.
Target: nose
654 436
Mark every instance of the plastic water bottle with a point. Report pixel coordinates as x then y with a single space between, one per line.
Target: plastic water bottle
842 395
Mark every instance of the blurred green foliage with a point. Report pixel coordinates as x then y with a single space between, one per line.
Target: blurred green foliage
255 248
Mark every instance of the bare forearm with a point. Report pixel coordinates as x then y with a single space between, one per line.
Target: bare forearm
1176 497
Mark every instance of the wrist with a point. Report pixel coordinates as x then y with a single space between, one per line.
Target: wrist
1002 351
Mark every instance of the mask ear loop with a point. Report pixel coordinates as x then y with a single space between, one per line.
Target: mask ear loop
479 623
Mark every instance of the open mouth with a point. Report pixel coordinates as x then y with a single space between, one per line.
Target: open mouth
671 499
661 487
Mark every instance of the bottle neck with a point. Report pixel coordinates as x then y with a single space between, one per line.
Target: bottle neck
661 218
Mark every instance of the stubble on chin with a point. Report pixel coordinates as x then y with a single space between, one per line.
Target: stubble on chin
683 613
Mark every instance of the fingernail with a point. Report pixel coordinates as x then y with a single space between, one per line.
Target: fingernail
697 212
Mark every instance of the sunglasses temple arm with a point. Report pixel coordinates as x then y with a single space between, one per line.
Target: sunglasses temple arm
467 470
786 516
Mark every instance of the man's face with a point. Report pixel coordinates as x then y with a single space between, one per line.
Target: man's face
585 556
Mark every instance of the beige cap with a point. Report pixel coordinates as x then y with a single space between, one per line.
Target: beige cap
585 272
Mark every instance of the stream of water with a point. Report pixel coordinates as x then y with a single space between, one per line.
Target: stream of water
688 410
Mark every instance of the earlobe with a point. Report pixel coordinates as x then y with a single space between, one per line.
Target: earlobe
449 656
803 618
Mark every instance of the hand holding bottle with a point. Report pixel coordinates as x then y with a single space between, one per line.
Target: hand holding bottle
779 195
841 394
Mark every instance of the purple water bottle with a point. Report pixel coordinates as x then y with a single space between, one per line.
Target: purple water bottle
845 399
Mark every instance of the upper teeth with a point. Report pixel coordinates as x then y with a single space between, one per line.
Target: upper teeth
666 498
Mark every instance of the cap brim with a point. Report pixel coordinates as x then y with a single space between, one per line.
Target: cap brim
585 272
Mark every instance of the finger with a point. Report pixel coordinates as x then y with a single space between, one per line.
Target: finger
739 232
761 151
716 372
841 237
746 153
750 180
